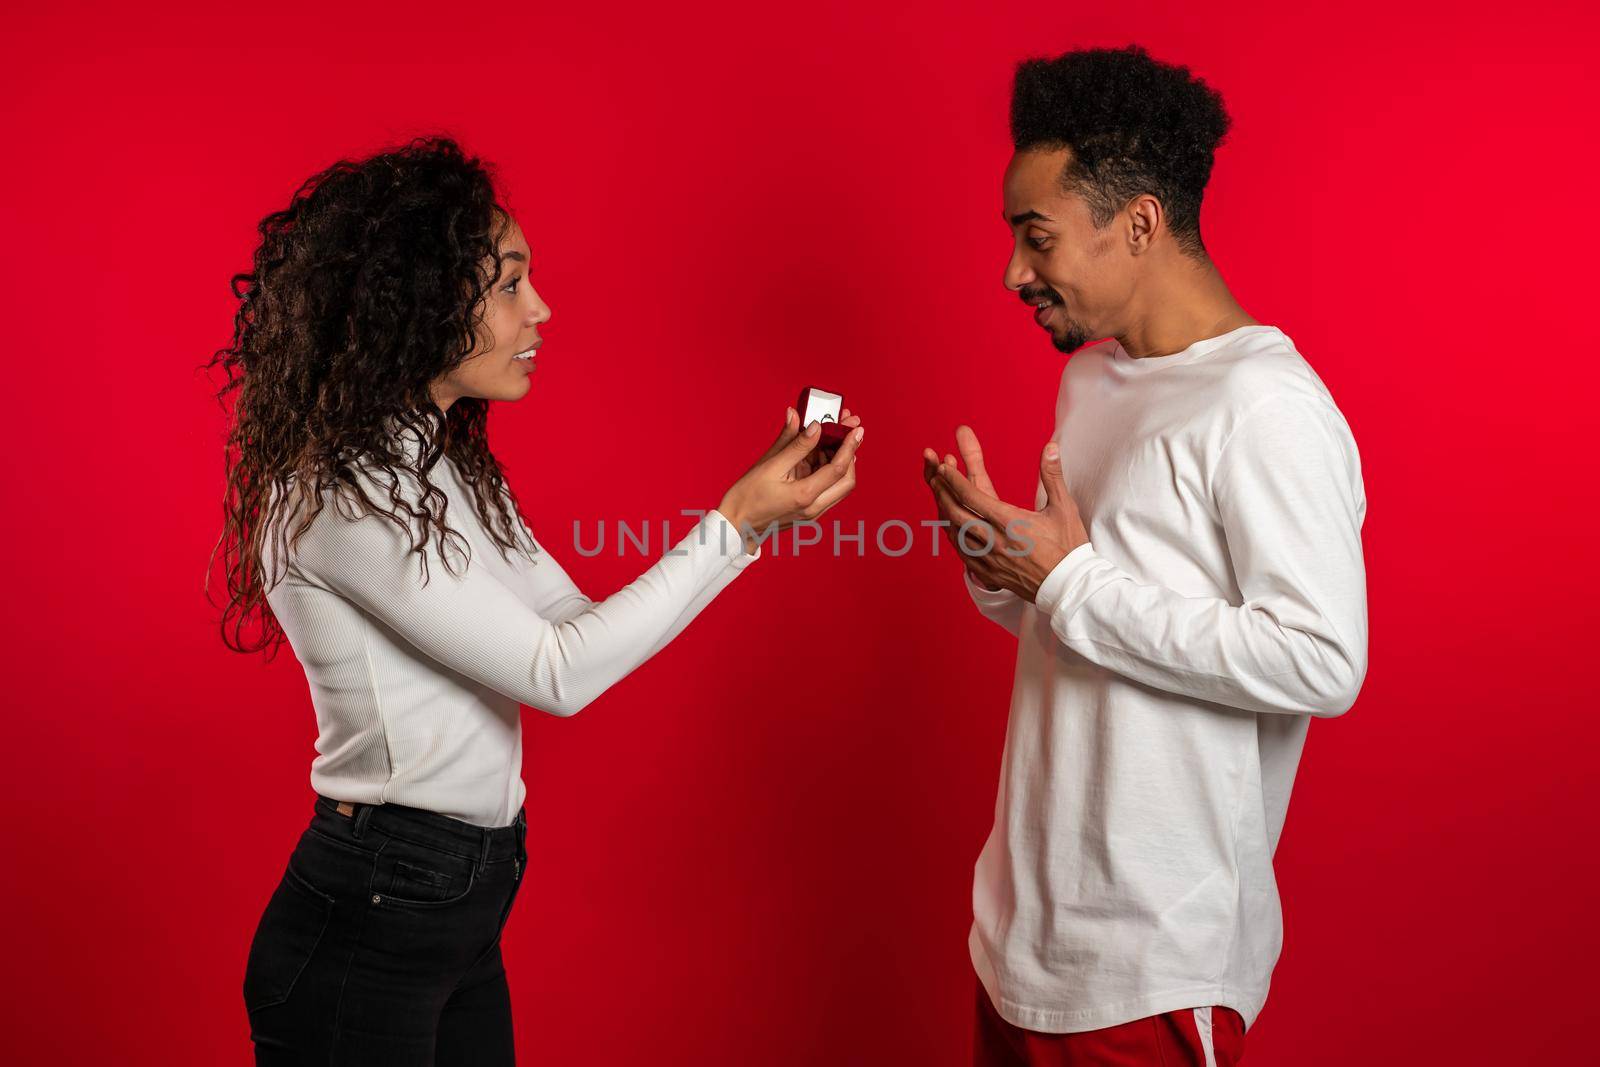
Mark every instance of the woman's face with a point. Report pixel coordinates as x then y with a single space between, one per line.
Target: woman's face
500 370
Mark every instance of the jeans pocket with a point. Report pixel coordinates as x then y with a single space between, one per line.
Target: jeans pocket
408 874
286 938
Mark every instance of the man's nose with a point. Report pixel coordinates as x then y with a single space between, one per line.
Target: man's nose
1018 273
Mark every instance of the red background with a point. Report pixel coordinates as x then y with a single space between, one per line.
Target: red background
758 848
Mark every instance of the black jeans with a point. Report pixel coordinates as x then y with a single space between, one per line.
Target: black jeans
381 943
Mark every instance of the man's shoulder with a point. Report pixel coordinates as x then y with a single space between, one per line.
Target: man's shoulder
1089 359
1268 384
1086 364
1262 367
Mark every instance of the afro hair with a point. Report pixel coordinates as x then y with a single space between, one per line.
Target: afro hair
1134 125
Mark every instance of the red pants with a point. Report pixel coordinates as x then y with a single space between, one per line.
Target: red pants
1174 1039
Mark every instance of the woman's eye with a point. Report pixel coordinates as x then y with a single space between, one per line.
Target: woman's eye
511 286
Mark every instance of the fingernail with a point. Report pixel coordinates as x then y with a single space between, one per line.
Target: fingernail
861 431
813 429
1051 451
788 413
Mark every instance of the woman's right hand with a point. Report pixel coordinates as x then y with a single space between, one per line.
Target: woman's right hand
778 493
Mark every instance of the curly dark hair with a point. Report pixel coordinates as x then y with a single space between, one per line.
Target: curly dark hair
1134 125
365 289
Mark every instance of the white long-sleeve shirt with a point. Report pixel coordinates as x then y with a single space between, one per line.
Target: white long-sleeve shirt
1166 676
418 688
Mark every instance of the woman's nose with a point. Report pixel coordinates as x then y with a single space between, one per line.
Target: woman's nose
540 312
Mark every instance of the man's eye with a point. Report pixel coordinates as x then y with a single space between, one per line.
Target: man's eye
1038 242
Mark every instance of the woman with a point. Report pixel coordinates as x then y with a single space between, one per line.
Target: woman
368 522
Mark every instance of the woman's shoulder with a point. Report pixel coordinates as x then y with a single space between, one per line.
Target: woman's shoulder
361 507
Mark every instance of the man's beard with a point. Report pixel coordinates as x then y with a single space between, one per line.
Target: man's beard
1073 336
1071 339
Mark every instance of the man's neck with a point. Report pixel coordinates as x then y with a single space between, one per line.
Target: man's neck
1178 306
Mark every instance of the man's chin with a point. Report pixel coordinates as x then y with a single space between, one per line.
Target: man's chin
1069 341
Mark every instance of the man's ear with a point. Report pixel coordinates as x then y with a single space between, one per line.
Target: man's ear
1145 216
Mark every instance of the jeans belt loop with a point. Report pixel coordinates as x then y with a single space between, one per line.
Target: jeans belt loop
483 852
363 816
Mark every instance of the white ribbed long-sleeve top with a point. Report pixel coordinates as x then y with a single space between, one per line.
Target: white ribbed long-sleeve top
418 689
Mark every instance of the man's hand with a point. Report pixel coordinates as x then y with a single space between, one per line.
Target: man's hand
1003 546
972 456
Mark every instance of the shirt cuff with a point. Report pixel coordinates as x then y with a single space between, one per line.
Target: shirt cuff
987 599
1065 579
720 530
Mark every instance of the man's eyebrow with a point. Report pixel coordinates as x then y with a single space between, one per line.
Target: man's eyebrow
1026 216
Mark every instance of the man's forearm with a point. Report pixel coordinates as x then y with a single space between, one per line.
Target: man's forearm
1287 657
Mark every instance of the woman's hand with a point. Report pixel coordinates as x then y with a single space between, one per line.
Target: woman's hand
817 458
792 482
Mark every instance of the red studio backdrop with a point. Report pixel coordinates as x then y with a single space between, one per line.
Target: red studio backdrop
759 847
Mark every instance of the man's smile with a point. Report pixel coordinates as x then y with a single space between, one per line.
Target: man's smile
1043 305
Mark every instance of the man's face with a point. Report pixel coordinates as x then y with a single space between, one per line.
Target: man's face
1074 275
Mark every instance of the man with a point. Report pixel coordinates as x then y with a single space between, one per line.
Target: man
1188 593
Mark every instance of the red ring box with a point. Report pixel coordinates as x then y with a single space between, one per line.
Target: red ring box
819 405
